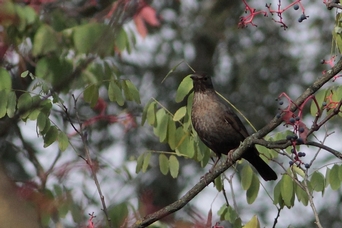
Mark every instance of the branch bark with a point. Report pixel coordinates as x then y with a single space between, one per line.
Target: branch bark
209 177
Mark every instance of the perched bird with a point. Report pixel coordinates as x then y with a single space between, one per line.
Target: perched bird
219 127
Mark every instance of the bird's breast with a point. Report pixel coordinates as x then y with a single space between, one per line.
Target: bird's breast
208 119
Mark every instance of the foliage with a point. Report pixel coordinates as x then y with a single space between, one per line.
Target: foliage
74 82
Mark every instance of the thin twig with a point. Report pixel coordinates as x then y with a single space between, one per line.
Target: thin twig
225 196
329 149
276 218
90 163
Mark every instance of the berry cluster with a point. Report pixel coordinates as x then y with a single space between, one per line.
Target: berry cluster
252 12
300 131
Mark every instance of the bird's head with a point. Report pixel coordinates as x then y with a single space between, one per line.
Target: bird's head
202 82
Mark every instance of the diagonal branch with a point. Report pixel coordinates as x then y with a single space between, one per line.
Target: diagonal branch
209 177
329 149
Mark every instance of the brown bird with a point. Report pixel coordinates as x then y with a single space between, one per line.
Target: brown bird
219 127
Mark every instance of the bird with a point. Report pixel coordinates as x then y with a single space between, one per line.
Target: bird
219 127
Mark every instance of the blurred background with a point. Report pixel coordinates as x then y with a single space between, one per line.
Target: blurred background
250 66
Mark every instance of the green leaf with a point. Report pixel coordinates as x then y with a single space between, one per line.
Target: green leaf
121 41
317 181
54 70
334 179
5 79
118 213
276 194
171 134
42 122
115 93
3 102
45 41
133 91
11 104
174 166
140 162
237 223
222 211
24 102
180 113
24 74
253 190
286 190
218 183
302 195
246 177
298 170
340 173
230 215
144 114
34 114
27 17
50 136
160 129
146 162
63 141
151 113
88 38
253 223
163 164
184 88
186 146
91 94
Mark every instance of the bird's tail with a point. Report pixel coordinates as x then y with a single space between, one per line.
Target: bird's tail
266 172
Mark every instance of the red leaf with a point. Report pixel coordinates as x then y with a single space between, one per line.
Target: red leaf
303 135
139 23
149 15
286 117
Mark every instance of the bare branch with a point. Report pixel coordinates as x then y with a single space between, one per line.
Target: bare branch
329 149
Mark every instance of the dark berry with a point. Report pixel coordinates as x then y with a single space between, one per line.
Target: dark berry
296 7
297 118
293 150
281 102
324 104
302 18
295 137
300 141
307 165
289 137
301 154
292 120
301 130
278 115
291 162
322 61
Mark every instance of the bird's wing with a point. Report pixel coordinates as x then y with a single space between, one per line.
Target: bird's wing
235 122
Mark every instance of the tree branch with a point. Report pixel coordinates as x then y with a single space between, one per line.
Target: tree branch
209 177
329 149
